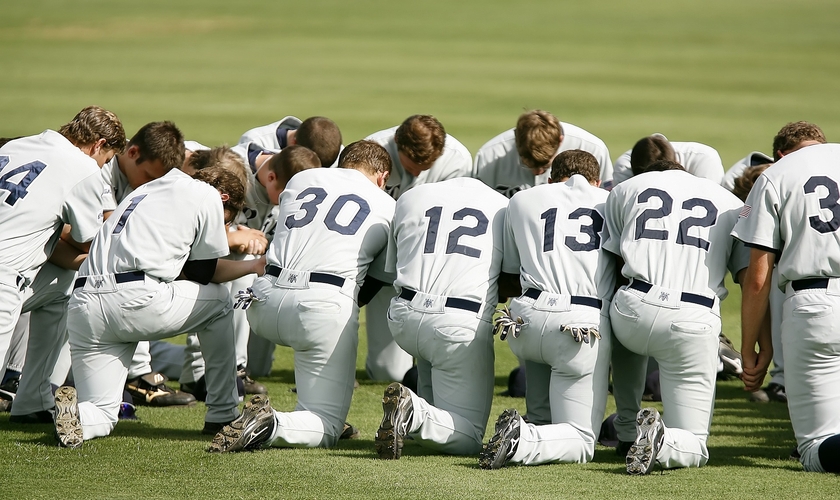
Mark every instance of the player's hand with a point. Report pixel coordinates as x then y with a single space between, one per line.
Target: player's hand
755 368
259 265
245 240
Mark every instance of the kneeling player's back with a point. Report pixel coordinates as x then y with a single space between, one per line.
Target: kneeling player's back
672 229
447 239
331 220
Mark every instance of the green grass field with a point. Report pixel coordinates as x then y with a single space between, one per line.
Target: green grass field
725 73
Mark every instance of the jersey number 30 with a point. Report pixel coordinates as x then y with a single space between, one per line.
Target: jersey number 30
18 190
310 209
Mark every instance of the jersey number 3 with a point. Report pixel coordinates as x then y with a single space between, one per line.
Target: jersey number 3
17 190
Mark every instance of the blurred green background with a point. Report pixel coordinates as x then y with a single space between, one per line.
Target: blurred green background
725 73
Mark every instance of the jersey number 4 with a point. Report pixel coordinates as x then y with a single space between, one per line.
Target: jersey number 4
17 190
683 238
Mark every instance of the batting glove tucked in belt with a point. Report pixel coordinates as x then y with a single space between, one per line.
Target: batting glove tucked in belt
505 324
244 298
581 333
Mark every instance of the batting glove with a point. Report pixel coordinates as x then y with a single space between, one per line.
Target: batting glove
244 299
581 333
505 324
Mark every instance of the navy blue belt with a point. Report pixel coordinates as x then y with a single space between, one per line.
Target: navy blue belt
809 283
533 293
693 298
467 305
330 279
119 278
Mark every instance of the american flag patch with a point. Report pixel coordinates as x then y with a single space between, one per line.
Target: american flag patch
745 212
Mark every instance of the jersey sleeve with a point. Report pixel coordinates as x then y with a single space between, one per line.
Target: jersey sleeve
708 165
391 250
511 263
83 208
614 214
758 223
622 170
211 237
380 269
739 259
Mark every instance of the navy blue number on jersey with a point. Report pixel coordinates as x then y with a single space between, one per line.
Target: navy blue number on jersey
17 190
592 230
453 244
124 217
310 208
828 202
683 236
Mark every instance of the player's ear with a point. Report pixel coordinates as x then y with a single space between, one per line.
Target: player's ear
382 179
225 197
96 147
597 183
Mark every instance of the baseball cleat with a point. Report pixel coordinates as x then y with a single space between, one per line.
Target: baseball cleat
151 389
501 447
397 410
248 432
650 434
68 425
350 432
250 385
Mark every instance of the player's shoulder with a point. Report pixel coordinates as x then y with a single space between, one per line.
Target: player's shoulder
499 145
383 137
574 131
250 135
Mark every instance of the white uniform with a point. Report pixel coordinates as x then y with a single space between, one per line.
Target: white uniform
553 237
672 230
127 293
257 213
498 165
446 247
45 182
386 361
46 299
735 171
273 135
698 159
793 210
332 232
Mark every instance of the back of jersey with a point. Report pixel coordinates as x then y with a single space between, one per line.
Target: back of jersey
45 181
158 227
672 230
553 238
332 220
448 239
794 208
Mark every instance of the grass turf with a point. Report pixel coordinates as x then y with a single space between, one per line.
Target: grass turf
725 73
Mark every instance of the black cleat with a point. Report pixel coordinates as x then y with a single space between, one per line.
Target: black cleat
397 410
151 390
502 446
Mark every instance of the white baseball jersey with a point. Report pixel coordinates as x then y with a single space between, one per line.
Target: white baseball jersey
158 228
698 159
267 135
455 161
793 209
672 230
116 184
447 239
553 237
45 182
498 165
735 171
332 220
194 146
